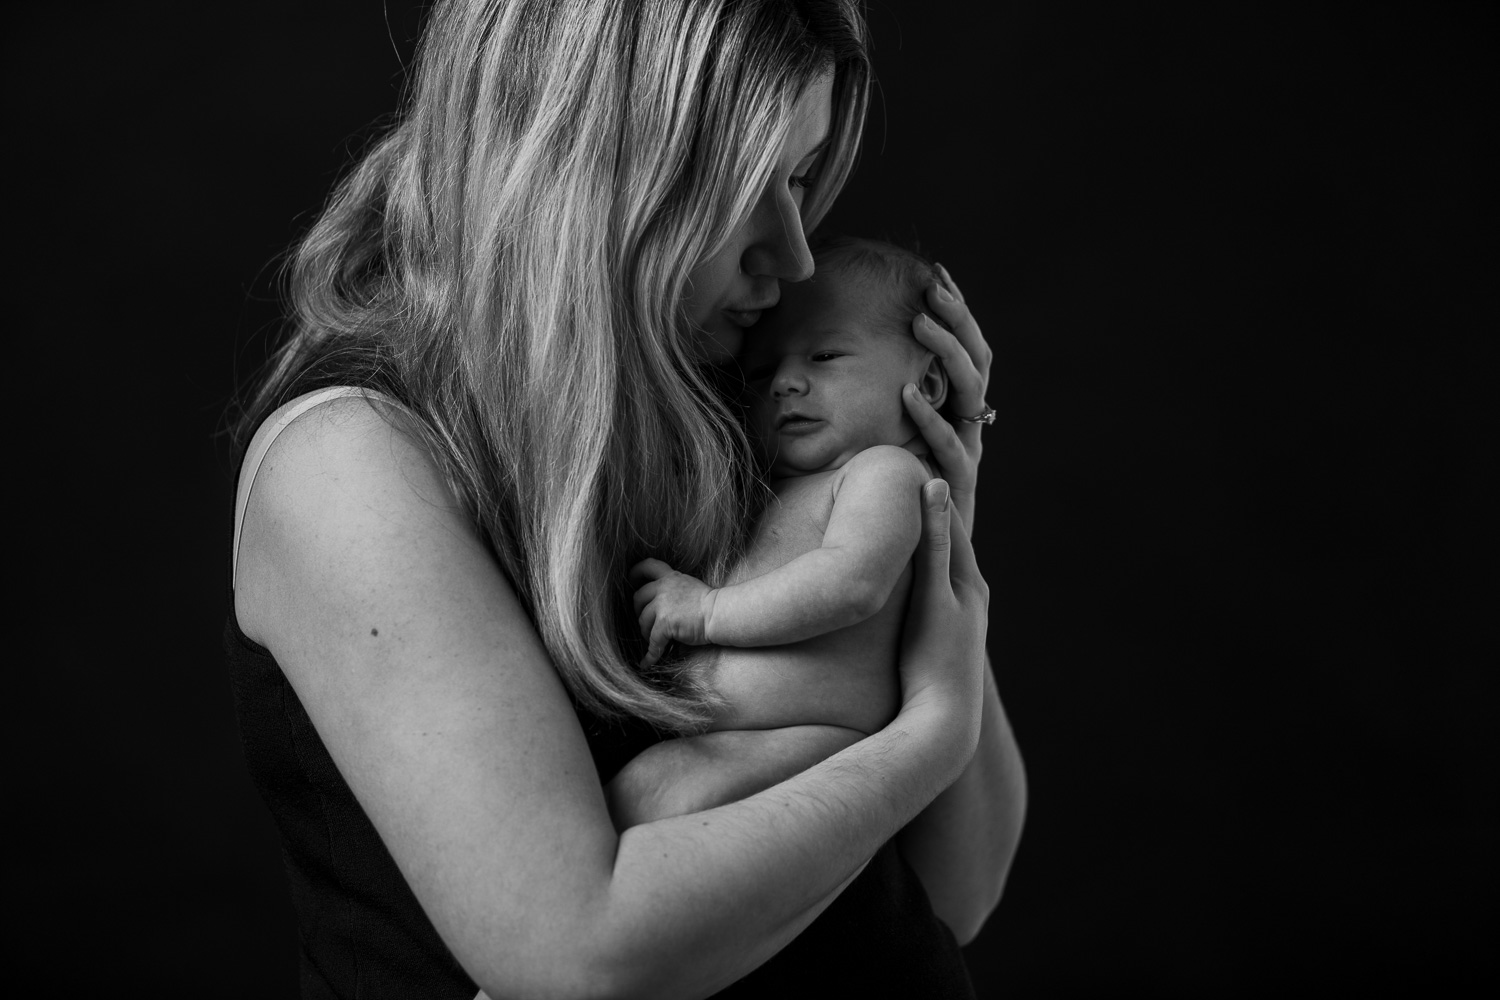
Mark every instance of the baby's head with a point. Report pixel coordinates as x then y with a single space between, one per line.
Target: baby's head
825 369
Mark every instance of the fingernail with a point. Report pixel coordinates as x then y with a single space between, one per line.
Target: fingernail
941 489
942 292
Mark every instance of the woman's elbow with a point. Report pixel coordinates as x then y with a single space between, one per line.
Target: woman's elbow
970 920
581 976
554 959
594 965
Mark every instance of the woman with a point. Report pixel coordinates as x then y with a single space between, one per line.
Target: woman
532 278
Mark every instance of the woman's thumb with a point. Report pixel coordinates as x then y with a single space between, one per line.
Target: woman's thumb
935 517
931 563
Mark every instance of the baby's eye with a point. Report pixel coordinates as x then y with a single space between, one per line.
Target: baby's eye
826 355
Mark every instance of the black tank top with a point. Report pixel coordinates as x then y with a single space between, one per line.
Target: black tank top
363 934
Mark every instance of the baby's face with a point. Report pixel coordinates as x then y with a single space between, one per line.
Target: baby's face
825 374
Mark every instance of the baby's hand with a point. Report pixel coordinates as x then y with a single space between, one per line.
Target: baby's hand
670 605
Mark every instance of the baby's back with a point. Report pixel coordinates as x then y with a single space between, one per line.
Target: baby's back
847 677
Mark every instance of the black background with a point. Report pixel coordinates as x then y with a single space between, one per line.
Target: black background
1229 260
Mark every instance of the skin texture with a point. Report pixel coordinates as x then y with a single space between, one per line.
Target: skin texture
420 670
962 845
871 533
825 378
727 292
966 358
456 736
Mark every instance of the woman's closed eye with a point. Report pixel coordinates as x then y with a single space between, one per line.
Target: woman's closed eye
802 181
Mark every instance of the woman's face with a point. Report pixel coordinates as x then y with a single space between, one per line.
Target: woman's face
727 292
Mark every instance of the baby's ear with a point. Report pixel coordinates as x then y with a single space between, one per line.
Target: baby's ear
933 383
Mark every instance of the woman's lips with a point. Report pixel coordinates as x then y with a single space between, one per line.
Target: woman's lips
748 311
743 317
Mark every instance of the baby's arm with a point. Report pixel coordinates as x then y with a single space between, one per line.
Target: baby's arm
872 532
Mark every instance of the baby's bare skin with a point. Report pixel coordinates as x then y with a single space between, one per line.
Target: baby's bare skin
791 705
802 640
843 678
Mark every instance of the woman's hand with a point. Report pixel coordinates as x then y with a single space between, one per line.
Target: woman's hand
961 845
942 644
966 357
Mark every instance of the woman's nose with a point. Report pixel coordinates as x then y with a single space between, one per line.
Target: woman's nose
779 247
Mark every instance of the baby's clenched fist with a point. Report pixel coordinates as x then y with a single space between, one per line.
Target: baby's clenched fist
670 606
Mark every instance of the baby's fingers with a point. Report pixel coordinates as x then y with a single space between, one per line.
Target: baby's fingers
646 618
648 569
645 595
660 636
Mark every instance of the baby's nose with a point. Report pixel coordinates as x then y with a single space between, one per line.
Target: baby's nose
788 383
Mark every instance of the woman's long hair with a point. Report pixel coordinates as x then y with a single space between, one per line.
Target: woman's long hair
509 262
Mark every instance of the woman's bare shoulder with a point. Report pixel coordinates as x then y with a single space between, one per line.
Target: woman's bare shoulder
338 486
425 679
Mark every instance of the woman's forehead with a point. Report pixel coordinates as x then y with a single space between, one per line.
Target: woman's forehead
812 121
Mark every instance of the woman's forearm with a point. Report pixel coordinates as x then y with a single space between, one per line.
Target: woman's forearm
696 902
962 845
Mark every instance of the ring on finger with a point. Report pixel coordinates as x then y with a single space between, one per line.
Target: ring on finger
985 416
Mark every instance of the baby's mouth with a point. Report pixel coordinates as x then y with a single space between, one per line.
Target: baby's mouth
795 423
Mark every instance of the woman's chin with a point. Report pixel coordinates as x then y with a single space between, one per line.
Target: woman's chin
719 343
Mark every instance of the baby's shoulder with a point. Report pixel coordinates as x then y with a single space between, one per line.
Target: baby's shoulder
887 461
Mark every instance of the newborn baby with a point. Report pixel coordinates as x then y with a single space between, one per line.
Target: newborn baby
801 641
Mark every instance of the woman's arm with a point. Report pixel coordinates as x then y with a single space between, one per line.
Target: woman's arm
436 699
962 845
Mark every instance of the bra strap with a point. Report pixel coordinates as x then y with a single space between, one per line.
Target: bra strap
266 436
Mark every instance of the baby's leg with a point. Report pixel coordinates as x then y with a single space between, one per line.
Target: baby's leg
693 773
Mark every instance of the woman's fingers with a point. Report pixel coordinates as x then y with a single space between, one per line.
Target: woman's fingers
951 285
957 451
945 555
931 565
961 365
948 302
966 382
963 567
965 354
930 616
951 452
942 644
